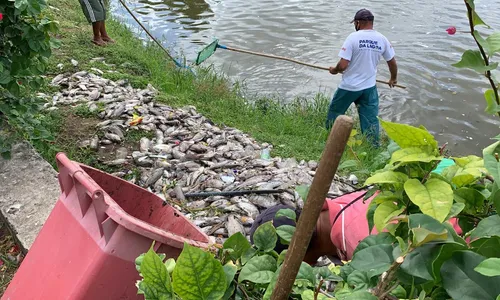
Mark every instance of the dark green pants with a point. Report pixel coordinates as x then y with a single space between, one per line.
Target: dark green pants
94 10
367 103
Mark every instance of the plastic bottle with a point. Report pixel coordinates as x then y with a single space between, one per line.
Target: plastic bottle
265 154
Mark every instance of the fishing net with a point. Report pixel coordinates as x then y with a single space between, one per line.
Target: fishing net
206 52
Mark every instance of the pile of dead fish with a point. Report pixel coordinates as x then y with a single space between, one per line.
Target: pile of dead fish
187 153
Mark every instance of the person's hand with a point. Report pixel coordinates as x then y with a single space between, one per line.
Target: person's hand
393 82
333 70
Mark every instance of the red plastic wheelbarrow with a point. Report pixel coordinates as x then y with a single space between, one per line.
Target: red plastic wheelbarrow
88 245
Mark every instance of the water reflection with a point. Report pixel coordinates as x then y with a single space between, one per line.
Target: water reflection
448 101
192 9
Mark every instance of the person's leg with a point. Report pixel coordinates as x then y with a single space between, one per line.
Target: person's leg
104 35
102 15
341 101
96 28
367 106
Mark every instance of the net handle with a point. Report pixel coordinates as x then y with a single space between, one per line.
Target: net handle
291 60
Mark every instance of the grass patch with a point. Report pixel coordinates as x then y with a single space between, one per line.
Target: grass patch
295 128
134 136
83 111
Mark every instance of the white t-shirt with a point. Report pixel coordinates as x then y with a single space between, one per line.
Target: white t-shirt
363 49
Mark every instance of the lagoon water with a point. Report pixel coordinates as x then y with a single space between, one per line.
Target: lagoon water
447 101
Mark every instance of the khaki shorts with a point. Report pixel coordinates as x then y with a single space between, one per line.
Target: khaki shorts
94 10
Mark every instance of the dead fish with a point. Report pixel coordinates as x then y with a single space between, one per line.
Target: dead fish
116 130
94 142
193 177
234 226
199 148
207 221
144 144
177 154
113 137
249 209
233 209
221 203
214 184
246 221
199 204
162 148
254 181
154 177
116 162
264 201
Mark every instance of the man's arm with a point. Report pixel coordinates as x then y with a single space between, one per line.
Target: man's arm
340 67
393 68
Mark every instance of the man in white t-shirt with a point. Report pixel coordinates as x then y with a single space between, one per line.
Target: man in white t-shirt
359 57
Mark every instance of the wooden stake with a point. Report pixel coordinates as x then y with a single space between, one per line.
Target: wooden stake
327 168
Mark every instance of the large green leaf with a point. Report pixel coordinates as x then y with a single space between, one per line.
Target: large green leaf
456 208
287 213
370 213
418 262
463 283
421 221
198 275
359 280
472 199
361 295
384 196
265 237
487 246
466 171
383 238
272 284
310 295
348 164
259 269
489 267
487 228
247 255
441 254
472 59
434 198
414 154
374 260
490 161
493 43
156 283
303 191
384 213
326 274
238 243
387 177
495 197
407 136
5 77
286 232
423 236
230 270
491 104
306 272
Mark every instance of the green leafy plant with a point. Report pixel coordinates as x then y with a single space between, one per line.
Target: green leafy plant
25 46
418 251
237 270
480 60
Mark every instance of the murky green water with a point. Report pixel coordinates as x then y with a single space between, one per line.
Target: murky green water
447 101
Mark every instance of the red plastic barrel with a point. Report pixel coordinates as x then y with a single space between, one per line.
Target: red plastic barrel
88 245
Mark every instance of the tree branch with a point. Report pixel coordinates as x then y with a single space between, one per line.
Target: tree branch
470 14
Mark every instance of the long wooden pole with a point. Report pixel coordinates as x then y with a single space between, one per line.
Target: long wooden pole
327 168
292 60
